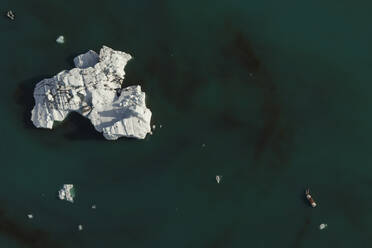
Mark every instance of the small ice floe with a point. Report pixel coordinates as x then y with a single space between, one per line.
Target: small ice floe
10 15
94 206
153 127
30 216
80 227
60 39
160 125
67 192
322 226
218 178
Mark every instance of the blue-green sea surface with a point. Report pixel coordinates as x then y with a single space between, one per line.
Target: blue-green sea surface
277 91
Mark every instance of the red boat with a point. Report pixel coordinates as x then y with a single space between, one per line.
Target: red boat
309 198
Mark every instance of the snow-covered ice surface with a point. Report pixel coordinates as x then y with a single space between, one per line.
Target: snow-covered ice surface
94 89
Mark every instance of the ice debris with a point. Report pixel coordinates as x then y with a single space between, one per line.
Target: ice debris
218 178
322 226
60 39
67 192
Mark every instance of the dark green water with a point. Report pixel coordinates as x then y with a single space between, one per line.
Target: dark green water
277 90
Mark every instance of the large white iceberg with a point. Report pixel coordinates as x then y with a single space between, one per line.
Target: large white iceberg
94 89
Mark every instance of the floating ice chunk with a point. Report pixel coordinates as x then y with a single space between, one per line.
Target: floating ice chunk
10 15
218 178
80 227
95 91
60 39
94 206
322 226
30 216
67 193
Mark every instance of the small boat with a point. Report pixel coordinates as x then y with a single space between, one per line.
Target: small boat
310 198
10 15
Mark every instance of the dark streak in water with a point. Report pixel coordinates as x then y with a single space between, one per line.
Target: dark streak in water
31 239
179 82
272 134
271 116
301 233
270 108
230 122
243 51
351 205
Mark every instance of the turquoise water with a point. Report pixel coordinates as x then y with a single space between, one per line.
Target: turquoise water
278 91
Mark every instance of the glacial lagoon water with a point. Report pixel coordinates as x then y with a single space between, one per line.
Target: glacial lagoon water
278 91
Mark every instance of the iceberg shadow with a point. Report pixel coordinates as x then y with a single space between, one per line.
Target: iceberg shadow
24 97
77 127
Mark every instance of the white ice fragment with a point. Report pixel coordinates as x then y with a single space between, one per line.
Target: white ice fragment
160 125
60 39
80 227
10 15
218 178
30 216
322 226
67 193
94 206
153 127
